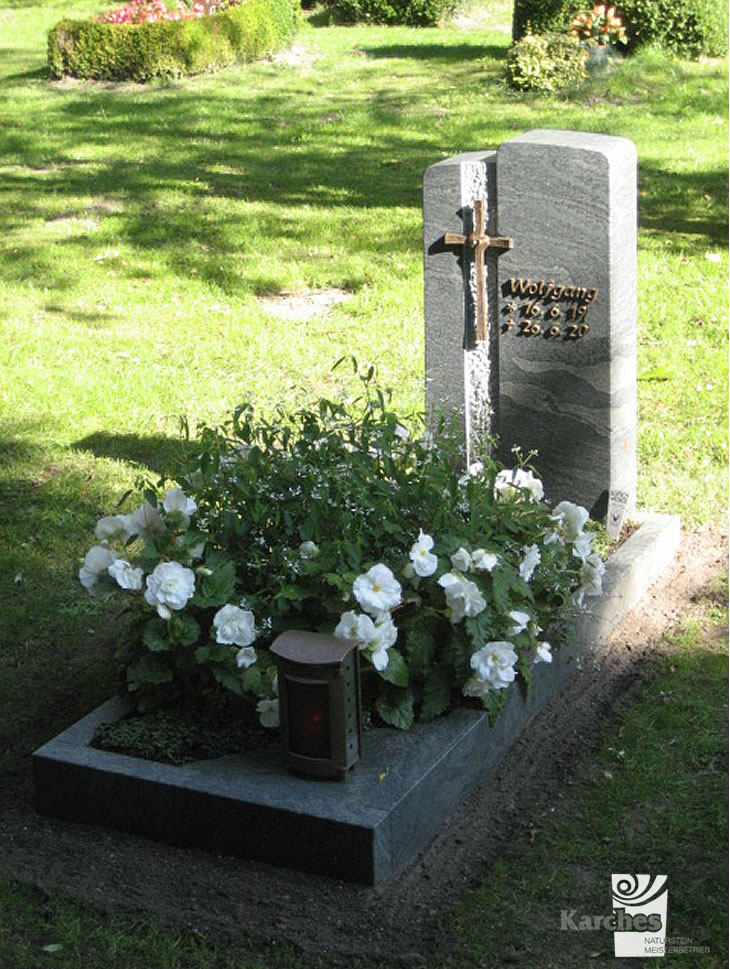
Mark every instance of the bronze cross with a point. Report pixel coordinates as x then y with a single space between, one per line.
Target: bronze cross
479 241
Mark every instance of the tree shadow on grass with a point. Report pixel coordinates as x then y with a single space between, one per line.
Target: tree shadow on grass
451 53
153 452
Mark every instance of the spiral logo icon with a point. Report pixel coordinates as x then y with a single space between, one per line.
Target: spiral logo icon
635 890
640 912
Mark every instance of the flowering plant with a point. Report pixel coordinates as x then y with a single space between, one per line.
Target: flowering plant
602 26
154 11
339 520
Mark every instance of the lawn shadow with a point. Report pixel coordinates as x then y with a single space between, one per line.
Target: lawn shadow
687 203
153 452
450 53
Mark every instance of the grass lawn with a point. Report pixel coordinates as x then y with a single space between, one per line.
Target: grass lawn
143 227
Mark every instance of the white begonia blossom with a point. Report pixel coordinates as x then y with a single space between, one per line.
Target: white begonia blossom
530 562
423 561
126 575
571 519
583 545
245 657
356 627
521 621
484 561
177 504
234 626
543 653
97 560
494 664
463 597
461 560
591 575
511 484
268 711
308 550
113 526
145 521
377 590
169 587
386 635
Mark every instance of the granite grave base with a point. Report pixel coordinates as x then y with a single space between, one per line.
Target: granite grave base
364 829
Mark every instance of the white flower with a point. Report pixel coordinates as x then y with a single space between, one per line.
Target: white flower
268 711
570 518
461 560
176 500
386 634
125 575
169 587
377 590
511 484
113 526
463 597
484 561
591 575
521 621
234 626
494 665
245 657
529 562
476 687
356 627
472 471
424 562
146 520
97 560
543 653
308 550
583 545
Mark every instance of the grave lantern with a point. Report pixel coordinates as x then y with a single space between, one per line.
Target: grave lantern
319 702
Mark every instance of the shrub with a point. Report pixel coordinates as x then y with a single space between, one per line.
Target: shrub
315 520
408 13
546 62
687 27
138 52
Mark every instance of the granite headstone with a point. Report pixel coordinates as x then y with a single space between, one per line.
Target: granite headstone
556 374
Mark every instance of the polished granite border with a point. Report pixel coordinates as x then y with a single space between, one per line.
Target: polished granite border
363 830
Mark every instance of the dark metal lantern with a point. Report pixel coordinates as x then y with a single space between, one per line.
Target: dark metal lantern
319 702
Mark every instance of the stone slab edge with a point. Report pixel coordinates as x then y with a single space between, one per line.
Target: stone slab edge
362 830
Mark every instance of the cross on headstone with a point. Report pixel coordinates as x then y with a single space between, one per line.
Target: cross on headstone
479 240
555 374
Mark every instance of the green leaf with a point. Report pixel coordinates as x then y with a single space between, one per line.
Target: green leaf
229 680
420 640
156 636
396 708
184 630
217 589
501 583
479 628
150 668
494 703
436 693
396 671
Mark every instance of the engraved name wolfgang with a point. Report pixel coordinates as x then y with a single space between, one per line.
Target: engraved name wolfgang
535 307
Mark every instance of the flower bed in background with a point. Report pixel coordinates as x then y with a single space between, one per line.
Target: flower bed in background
338 519
143 40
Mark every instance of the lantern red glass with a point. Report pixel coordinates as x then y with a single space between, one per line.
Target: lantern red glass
319 703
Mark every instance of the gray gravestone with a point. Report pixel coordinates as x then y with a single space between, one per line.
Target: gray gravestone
556 373
461 373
